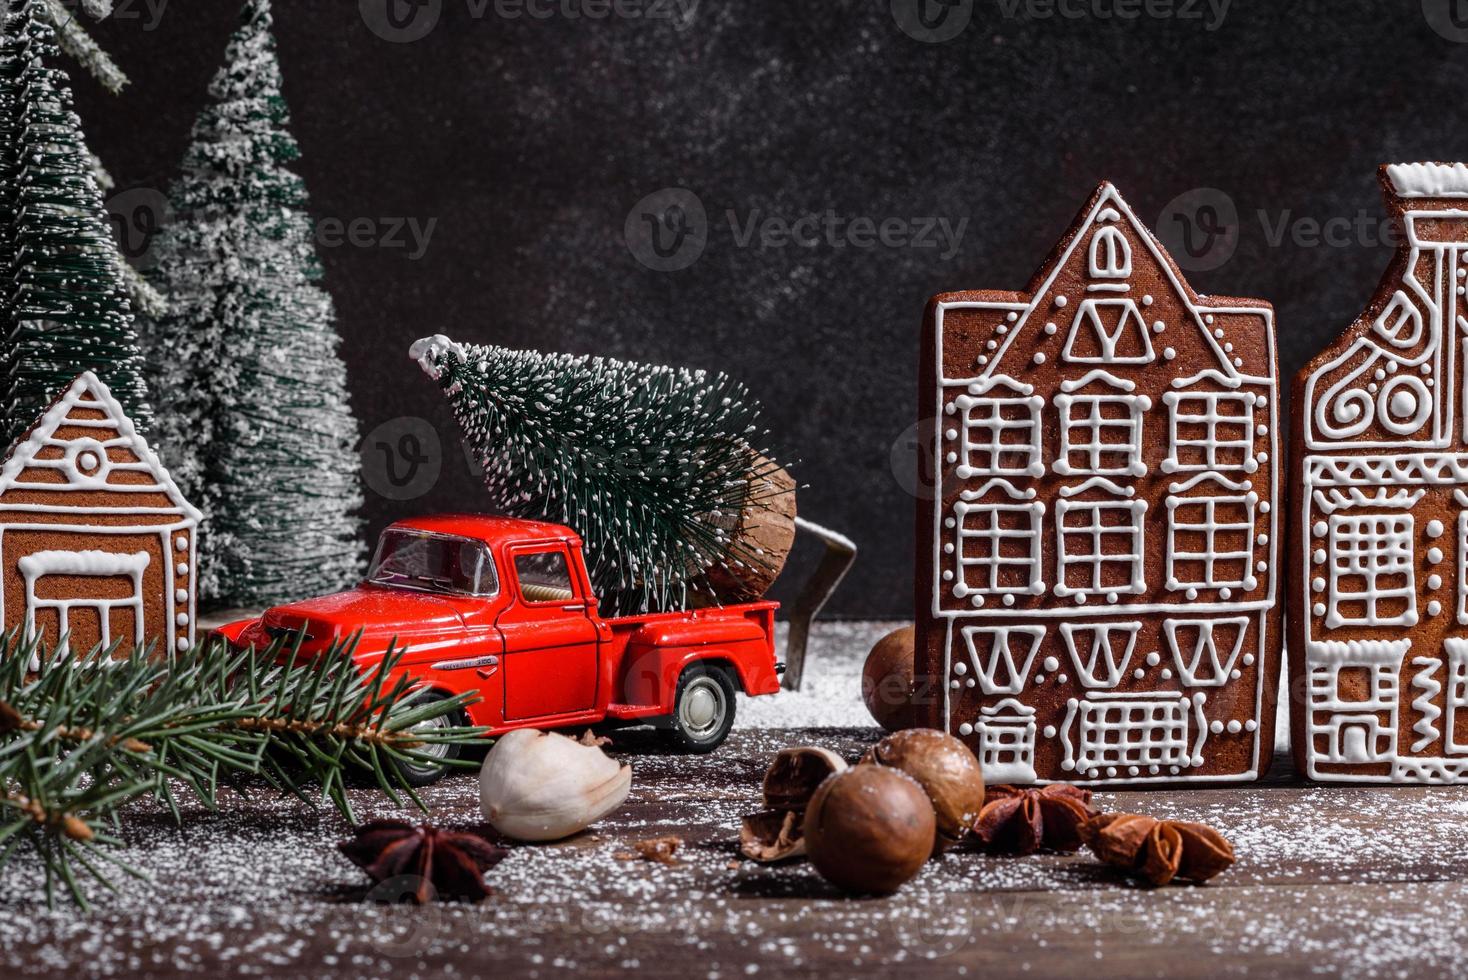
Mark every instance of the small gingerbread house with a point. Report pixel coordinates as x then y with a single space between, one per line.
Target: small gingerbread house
97 545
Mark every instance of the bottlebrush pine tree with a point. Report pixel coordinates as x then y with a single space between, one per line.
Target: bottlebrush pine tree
63 300
651 465
254 414
75 41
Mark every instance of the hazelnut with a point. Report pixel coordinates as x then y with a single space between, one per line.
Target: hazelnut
947 771
888 681
774 833
869 829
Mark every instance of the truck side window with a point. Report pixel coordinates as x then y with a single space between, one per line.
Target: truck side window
544 577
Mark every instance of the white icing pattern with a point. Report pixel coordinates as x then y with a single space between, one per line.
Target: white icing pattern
84 474
1104 536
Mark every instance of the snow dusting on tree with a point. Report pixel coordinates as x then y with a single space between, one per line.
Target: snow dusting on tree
651 465
253 411
63 303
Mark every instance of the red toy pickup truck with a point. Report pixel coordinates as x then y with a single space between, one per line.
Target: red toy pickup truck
503 608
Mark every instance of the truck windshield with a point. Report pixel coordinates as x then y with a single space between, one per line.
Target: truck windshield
435 562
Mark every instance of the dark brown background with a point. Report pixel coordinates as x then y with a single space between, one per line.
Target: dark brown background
531 140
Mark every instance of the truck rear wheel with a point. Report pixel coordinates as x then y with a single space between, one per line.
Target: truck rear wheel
703 709
426 772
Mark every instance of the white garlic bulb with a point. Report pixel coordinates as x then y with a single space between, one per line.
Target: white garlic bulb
539 786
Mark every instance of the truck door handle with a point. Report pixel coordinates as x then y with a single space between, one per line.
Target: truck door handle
575 607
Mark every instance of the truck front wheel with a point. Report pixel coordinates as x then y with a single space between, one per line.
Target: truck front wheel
703 709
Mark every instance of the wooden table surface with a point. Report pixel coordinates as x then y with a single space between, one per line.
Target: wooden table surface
1352 882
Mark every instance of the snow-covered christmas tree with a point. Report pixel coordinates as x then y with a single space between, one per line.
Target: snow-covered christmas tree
254 417
653 466
63 301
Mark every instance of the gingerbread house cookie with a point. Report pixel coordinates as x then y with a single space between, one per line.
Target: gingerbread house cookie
1096 582
1379 610
96 542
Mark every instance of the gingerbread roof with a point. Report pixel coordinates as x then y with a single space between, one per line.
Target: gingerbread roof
1108 208
85 444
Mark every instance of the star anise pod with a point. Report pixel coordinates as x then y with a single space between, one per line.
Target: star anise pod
1023 821
1158 851
446 862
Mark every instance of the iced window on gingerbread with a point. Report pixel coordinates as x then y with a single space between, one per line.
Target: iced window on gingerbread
1371 581
1211 541
1100 434
1100 547
1000 435
1211 431
998 548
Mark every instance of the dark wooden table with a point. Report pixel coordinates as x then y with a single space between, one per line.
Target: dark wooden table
1353 882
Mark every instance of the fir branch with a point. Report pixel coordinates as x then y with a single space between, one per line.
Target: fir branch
83 737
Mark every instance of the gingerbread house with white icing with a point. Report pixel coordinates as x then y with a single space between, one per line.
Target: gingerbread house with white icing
1379 614
1096 581
97 545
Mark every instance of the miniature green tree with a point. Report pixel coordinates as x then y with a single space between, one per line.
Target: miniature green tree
653 466
63 300
254 418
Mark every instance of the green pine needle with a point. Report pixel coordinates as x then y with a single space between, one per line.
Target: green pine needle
651 465
81 738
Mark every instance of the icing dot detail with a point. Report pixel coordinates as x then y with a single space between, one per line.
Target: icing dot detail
1434 529
1052 664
